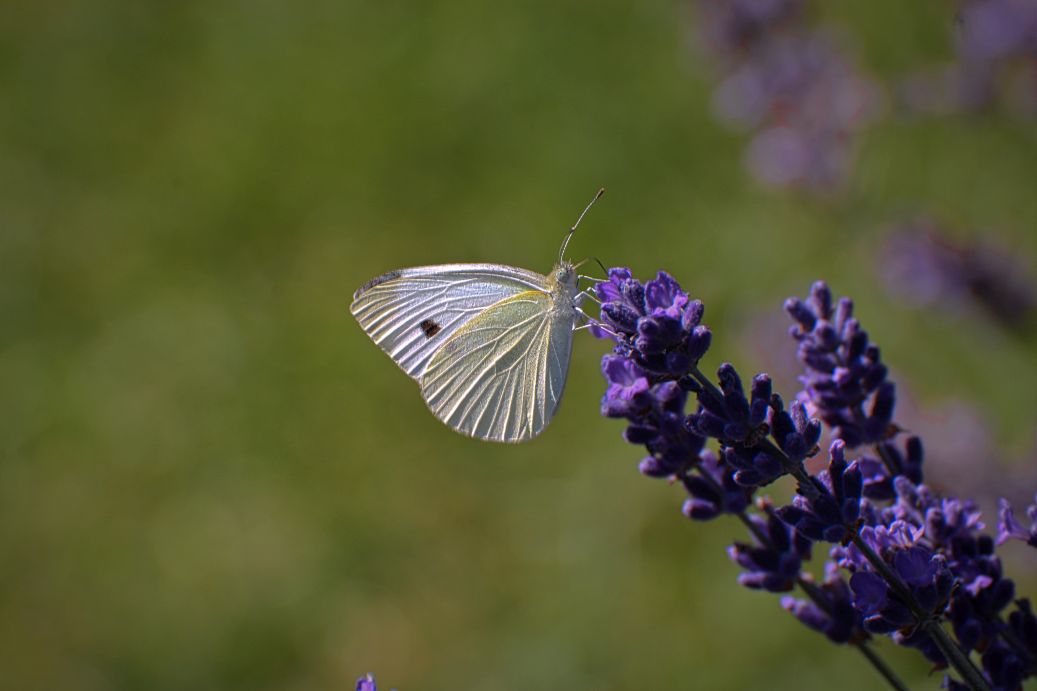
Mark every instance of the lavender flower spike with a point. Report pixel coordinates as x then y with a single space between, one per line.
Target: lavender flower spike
844 371
906 562
659 339
1009 528
366 683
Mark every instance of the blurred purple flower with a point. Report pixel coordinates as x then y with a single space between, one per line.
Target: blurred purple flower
791 84
729 27
921 264
996 61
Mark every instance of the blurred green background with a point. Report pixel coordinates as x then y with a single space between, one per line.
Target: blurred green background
211 479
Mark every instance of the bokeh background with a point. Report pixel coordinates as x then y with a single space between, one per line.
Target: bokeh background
211 479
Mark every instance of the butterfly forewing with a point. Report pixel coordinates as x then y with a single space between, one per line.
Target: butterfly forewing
500 376
411 313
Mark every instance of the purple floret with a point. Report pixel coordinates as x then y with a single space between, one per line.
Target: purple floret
1009 528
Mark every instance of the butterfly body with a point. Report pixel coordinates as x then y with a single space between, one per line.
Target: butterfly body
488 344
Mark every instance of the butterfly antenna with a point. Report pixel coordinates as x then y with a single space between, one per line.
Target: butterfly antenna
568 236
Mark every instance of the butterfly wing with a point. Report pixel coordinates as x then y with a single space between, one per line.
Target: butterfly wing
411 313
500 376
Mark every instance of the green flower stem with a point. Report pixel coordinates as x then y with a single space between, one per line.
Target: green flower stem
878 663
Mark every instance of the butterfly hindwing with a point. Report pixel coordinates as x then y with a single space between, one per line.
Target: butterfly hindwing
500 376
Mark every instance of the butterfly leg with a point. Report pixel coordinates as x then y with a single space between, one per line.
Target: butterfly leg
587 294
598 324
591 321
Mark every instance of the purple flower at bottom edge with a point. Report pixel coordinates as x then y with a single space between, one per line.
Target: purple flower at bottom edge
366 683
1009 528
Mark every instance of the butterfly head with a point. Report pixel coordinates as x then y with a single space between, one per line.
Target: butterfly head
565 273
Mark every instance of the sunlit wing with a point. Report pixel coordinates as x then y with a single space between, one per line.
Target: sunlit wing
410 313
500 377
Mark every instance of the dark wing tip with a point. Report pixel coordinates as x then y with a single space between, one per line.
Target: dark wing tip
375 281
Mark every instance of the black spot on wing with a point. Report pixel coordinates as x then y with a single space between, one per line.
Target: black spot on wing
375 281
430 328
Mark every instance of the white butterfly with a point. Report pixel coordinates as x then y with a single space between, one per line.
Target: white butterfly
489 344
